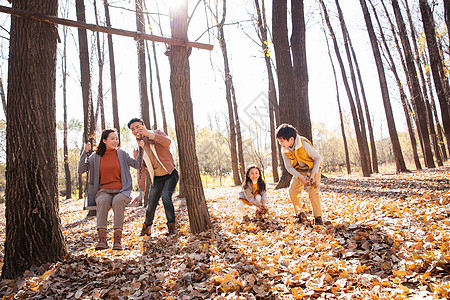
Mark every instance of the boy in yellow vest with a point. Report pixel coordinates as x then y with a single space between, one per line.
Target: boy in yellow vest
303 162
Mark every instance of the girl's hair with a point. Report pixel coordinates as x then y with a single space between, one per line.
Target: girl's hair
261 183
101 148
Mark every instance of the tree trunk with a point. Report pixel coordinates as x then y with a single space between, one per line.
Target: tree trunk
101 63
238 130
373 147
112 71
145 111
362 123
405 103
399 160
158 79
33 232
298 47
228 87
447 18
66 148
272 93
440 80
89 122
285 74
417 99
199 219
362 153
150 75
344 138
433 108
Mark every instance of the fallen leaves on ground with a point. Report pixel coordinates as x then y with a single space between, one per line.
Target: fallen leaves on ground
385 237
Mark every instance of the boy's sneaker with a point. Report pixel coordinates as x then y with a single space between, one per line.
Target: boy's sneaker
301 218
318 221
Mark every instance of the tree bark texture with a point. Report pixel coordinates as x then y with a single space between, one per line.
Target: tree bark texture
417 98
399 160
298 47
199 219
33 231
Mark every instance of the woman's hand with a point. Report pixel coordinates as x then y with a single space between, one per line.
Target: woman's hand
135 152
87 147
312 179
302 179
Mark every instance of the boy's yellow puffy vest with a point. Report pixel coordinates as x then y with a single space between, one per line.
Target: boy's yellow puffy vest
300 155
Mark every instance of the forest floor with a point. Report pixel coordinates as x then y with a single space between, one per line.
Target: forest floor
385 237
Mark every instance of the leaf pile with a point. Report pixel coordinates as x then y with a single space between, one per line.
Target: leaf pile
385 237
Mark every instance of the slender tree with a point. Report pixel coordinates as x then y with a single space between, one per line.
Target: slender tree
344 138
229 96
101 63
410 116
89 122
112 71
64 87
150 77
272 93
403 97
142 69
399 160
33 231
440 130
364 160
417 99
437 69
362 122
199 219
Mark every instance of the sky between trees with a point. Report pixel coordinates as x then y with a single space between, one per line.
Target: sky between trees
208 90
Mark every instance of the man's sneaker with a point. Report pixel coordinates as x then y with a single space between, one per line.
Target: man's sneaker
301 218
318 221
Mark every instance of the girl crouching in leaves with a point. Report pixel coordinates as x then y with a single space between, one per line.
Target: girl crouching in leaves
253 193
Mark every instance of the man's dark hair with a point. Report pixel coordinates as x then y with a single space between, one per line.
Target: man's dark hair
135 120
285 132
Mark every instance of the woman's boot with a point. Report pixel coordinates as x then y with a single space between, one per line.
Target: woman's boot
117 239
101 236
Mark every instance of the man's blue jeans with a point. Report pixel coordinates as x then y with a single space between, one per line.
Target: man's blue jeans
162 187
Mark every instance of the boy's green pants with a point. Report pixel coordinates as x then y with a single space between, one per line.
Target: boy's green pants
295 190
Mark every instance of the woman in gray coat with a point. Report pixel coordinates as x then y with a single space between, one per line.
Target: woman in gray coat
109 184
